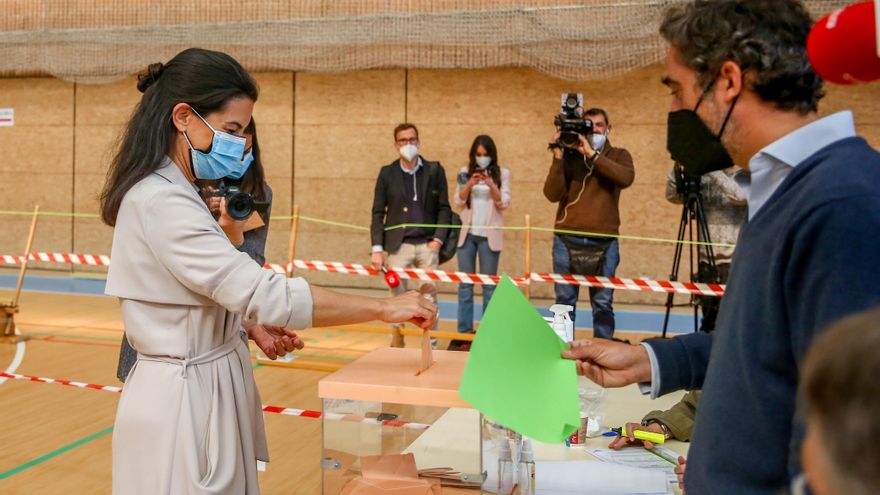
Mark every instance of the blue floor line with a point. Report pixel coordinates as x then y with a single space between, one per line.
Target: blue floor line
62 285
644 321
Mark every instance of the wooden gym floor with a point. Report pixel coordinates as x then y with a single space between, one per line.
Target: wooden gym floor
57 439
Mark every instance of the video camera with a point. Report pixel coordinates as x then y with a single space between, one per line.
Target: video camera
240 205
571 122
685 183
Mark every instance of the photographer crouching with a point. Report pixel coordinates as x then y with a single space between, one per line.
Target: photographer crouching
585 178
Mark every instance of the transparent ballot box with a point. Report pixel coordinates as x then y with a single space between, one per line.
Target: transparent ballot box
389 428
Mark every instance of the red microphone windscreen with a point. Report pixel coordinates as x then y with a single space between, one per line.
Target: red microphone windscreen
842 46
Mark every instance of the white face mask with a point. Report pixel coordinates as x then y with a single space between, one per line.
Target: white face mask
483 161
409 152
597 141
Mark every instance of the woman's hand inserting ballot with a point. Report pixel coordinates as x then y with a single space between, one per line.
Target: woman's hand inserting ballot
274 341
414 307
336 308
610 363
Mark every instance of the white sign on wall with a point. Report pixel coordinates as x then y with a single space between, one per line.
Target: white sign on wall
7 117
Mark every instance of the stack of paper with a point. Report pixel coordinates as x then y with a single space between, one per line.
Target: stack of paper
583 477
597 478
642 458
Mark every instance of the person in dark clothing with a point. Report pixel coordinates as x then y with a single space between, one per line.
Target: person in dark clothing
409 190
587 185
744 92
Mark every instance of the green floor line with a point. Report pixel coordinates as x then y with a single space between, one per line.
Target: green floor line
55 453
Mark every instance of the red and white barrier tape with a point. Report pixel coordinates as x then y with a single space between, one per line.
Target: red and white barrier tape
343 417
636 284
641 284
69 383
286 411
67 258
276 268
404 273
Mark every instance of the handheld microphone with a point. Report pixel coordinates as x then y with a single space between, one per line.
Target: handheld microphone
844 46
391 277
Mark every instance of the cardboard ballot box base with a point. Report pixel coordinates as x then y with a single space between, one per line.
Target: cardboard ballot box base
391 376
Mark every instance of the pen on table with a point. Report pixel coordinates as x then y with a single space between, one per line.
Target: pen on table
663 455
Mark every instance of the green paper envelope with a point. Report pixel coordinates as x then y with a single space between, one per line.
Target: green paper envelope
515 374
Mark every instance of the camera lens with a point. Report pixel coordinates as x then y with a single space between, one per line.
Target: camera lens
569 139
240 206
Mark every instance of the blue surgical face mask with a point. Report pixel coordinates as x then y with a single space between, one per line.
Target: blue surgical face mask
223 160
246 162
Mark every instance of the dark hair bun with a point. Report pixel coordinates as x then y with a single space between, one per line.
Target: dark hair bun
151 75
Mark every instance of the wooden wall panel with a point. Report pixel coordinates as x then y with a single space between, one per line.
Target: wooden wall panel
362 97
37 165
325 136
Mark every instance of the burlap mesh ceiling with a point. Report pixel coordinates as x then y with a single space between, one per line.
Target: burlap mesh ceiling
103 40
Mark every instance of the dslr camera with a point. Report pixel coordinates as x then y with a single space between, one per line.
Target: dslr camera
240 205
571 122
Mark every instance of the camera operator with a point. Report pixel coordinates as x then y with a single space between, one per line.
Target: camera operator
586 182
725 208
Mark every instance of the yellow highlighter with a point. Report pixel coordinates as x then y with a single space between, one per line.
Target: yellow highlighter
657 438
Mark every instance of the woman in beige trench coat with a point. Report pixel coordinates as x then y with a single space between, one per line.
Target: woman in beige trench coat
189 420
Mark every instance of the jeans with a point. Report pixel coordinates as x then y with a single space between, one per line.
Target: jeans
600 299
467 262
711 304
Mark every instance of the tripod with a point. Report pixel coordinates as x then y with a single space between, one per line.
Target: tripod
692 213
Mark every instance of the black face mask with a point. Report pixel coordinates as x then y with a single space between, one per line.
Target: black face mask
693 145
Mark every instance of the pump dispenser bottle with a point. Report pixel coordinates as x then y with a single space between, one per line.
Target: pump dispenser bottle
562 324
505 468
526 469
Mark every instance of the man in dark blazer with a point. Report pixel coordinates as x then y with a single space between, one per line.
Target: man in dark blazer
413 191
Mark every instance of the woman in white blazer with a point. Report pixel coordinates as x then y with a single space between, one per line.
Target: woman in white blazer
189 419
482 196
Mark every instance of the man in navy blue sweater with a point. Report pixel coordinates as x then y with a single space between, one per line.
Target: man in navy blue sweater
807 255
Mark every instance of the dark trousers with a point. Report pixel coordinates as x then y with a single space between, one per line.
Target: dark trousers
600 299
710 304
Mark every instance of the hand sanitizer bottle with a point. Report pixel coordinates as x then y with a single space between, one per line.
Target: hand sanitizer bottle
562 324
505 468
527 469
